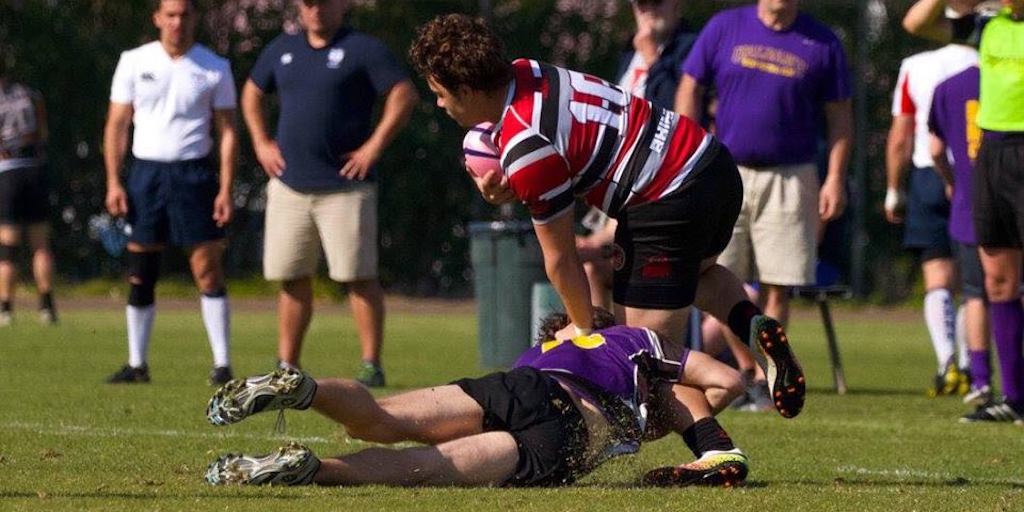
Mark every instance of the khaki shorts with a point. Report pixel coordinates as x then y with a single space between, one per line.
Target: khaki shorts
344 223
774 240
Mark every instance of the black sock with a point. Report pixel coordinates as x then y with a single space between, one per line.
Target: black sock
46 300
5 306
739 319
705 435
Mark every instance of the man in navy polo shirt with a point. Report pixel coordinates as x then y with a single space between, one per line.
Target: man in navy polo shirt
322 189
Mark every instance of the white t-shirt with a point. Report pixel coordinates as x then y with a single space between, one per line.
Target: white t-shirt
920 74
634 80
173 99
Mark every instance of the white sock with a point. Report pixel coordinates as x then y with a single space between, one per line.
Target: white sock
140 325
217 318
963 358
941 322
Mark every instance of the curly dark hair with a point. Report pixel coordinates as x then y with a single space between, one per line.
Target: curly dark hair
456 50
554 322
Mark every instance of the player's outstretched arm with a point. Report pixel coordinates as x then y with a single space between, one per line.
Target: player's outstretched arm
924 19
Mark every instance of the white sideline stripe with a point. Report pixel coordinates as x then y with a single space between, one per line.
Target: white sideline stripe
914 473
79 430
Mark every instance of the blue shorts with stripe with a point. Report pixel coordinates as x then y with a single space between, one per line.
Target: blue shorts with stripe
172 202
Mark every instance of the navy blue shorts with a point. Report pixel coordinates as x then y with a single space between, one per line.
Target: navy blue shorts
927 221
172 202
972 277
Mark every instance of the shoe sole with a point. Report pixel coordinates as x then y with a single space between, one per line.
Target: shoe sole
785 377
224 407
729 474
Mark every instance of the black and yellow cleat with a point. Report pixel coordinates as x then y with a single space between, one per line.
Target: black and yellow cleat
713 469
785 377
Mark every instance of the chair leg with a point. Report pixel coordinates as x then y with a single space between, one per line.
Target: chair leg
838 376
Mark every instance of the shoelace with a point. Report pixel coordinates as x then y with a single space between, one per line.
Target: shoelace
280 426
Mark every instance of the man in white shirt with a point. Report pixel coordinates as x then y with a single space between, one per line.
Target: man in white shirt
172 90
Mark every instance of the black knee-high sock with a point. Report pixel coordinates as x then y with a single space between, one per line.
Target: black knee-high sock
46 300
706 434
739 319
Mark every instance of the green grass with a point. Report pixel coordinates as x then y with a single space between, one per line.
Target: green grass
70 442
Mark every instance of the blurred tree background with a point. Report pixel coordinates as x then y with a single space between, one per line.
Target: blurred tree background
68 49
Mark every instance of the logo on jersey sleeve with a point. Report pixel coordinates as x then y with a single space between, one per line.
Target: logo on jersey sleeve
286 59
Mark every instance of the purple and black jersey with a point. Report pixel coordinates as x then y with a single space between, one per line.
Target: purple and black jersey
617 361
953 119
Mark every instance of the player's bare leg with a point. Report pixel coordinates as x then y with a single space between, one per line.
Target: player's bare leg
206 261
429 416
683 409
721 383
482 459
367 300
42 270
9 240
294 311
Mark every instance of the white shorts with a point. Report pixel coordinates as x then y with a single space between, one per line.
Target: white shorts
774 240
342 223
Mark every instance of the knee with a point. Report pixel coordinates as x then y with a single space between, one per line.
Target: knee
1000 288
733 384
143 273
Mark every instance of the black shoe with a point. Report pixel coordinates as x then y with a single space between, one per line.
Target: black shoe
785 377
130 375
1000 412
220 375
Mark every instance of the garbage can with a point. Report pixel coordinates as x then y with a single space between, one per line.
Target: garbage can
506 260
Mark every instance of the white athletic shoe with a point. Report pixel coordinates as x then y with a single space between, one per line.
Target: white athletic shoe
292 464
286 388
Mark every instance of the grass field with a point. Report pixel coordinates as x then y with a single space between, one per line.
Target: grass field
70 442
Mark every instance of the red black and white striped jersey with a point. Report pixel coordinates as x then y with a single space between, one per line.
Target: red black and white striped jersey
566 134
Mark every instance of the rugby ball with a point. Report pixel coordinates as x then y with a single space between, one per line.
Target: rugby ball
479 149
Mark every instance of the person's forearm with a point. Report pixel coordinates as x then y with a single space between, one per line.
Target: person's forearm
897 159
688 98
839 116
923 20
942 166
567 276
252 112
398 107
228 156
115 146
839 157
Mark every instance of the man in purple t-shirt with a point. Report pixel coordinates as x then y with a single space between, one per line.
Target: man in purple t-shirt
566 407
778 73
955 134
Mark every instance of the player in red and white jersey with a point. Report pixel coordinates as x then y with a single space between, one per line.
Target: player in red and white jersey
566 134
673 188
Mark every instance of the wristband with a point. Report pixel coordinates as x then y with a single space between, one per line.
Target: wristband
893 198
582 332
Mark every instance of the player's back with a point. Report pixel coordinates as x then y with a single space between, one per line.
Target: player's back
566 134
607 358
919 75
